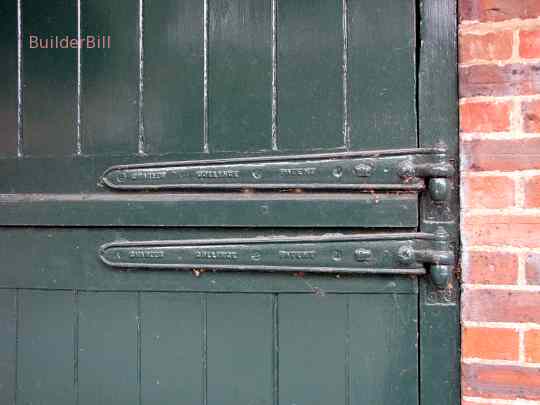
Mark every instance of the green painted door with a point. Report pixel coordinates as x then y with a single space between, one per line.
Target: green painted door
227 202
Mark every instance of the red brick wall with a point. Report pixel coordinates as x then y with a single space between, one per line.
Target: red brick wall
500 146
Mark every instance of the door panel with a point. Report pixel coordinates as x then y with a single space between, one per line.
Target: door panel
108 348
239 75
45 355
8 73
381 78
239 348
309 75
172 348
173 110
49 81
110 79
8 348
312 349
387 372
227 348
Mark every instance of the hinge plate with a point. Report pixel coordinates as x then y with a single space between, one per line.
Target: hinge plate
403 253
403 169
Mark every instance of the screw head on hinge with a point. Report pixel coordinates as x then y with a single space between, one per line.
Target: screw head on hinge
406 254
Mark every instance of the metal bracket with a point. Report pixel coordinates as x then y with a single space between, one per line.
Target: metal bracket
382 253
403 169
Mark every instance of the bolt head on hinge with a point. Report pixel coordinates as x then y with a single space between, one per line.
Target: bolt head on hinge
406 255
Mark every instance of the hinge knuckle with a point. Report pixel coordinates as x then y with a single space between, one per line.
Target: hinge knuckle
438 257
436 170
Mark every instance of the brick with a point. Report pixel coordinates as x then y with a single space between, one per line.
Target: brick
504 155
498 10
485 116
500 306
532 192
532 346
507 382
491 268
495 80
490 343
492 46
531 116
502 230
488 192
529 44
532 268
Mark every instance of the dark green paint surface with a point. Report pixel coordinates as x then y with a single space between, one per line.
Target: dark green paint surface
108 348
282 77
309 74
312 349
381 79
110 78
49 80
173 76
239 75
8 73
171 347
8 348
239 349
438 122
387 372
45 354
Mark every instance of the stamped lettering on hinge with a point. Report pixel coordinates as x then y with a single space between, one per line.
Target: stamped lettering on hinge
297 172
297 254
218 174
216 254
146 254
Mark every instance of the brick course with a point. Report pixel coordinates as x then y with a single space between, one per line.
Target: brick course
499 56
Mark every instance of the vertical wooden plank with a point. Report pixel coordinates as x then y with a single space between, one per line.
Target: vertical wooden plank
8 346
110 77
382 74
309 74
49 77
312 349
108 348
171 348
438 123
173 76
45 348
383 349
240 75
239 333
8 73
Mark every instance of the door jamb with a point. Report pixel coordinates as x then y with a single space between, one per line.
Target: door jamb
438 124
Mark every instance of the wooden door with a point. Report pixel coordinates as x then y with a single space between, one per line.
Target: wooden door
227 201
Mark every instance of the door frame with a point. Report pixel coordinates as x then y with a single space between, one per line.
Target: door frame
438 123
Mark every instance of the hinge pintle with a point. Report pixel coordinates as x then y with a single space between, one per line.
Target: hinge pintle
440 259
